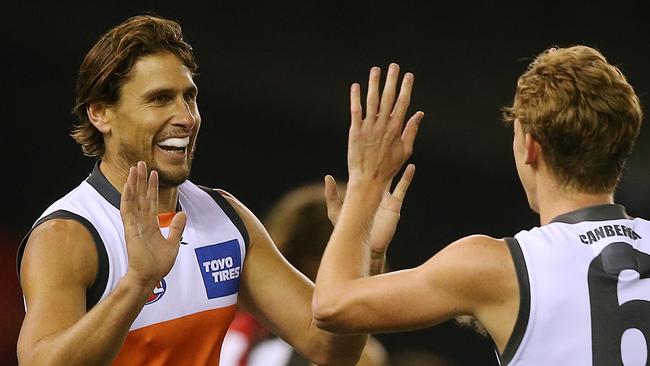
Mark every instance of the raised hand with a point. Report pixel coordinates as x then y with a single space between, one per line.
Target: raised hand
387 216
151 255
379 144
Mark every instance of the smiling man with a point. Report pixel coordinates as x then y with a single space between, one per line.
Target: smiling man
104 278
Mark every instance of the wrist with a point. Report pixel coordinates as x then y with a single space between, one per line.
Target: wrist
365 190
135 284
365 183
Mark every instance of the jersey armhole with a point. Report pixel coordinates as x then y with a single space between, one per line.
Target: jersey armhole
94 292
229 210
524 301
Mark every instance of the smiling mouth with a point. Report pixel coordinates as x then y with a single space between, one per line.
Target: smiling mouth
174 145
173 150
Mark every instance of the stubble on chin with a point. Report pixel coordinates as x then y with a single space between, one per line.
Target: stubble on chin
171 180
166 179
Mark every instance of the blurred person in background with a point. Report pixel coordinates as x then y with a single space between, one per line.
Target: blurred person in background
299 225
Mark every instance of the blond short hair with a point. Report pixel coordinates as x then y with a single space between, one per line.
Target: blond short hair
584 114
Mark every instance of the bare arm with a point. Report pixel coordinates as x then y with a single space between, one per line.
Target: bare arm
377 148
279 297
473 276
60 263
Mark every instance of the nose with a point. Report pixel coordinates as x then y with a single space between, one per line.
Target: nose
185 115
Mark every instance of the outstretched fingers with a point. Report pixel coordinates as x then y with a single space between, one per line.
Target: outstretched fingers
128 204
176 228
405 181
404 98
388 95
152 193
379 141
356 111
139 201
142 186
372 99
332 199
393 201
410 132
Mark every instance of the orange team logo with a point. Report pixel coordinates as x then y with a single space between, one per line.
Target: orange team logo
157 292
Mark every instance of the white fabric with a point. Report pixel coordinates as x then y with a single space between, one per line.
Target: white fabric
559 330
185 294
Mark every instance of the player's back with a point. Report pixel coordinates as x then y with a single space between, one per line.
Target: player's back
585 289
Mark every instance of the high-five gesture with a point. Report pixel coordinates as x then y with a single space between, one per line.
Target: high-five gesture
386 218
151 255
379 144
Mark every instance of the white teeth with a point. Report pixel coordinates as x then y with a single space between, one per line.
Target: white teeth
175 142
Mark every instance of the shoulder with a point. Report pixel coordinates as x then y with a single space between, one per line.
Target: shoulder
477 267
251 227
475 255
246 214
476 249
59 249
242 211
219 195
234 202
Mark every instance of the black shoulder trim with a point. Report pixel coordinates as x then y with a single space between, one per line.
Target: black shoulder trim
94 292
230 211
98 180
593 213
524 301
297 359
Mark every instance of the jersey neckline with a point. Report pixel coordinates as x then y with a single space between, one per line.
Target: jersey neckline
98 180
609 211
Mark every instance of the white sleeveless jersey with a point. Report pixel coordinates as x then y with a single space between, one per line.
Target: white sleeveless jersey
187 315
585 291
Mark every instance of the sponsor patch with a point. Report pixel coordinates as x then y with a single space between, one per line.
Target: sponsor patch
220 266
157 292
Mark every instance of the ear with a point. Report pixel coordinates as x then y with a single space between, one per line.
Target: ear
98 114
532 150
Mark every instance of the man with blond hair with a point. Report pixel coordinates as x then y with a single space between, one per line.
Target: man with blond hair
573 291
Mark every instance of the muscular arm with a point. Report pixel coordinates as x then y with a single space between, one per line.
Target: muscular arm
280 299
59 264
473 276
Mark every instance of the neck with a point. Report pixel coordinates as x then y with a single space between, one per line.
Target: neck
554 200
117 173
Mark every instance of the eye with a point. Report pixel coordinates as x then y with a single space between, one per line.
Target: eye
161 99
190 97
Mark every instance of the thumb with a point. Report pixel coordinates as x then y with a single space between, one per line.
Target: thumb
176 227
332 199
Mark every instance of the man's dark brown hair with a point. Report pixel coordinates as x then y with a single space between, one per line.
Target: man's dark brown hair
107 65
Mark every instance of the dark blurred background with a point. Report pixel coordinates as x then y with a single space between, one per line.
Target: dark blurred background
274 81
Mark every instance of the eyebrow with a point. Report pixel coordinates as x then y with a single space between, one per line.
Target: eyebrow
160 91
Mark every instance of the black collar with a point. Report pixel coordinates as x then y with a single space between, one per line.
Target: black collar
604 212
98 180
